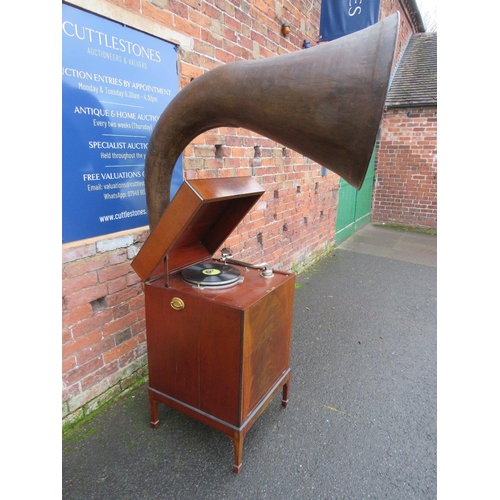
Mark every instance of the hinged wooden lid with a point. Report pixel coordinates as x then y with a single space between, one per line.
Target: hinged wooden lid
200 217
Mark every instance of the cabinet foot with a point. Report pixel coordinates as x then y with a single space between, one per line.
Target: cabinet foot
153 410
284 397
238 451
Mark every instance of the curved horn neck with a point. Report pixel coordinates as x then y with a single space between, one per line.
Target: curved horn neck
325 102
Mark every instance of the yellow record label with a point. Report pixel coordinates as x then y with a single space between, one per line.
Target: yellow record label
211 272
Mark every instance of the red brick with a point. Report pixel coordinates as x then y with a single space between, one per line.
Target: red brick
72 285
68 364
76 314
76 253
203 48
71 391
81 343
117 285
81 267
91 323
66 335
162 16
98 375
85 296
118 256
113 272
80 372
186 27
119 324
179 8
120 350
95 350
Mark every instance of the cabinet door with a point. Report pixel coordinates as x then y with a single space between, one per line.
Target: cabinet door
172 340
220 362
194 354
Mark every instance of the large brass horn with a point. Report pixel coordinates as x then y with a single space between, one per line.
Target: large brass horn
325 102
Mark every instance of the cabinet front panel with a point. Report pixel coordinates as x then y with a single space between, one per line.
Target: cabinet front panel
220 363
173 345
194 354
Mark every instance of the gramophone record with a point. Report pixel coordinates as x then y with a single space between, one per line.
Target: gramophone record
210 274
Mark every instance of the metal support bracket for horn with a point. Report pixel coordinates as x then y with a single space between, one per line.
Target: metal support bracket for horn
226 253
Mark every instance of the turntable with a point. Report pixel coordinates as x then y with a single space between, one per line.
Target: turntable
218 329
211 274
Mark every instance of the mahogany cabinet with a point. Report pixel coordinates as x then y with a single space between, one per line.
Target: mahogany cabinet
218 353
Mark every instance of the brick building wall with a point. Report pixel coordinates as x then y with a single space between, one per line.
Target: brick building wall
104 336
405 191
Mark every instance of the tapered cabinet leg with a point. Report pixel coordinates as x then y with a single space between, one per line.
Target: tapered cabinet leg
284 397
238 450
153 410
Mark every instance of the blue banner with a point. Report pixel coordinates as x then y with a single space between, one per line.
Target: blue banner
116 81
342 17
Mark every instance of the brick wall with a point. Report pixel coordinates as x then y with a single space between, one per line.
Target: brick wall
103 325
405 191
104 349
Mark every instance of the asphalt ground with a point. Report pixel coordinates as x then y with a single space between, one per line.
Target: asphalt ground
361 422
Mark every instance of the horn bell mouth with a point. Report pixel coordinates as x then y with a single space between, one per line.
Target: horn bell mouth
325 103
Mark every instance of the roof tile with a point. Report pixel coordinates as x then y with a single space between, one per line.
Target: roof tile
415 79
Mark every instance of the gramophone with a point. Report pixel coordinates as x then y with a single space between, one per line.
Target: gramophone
218 329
